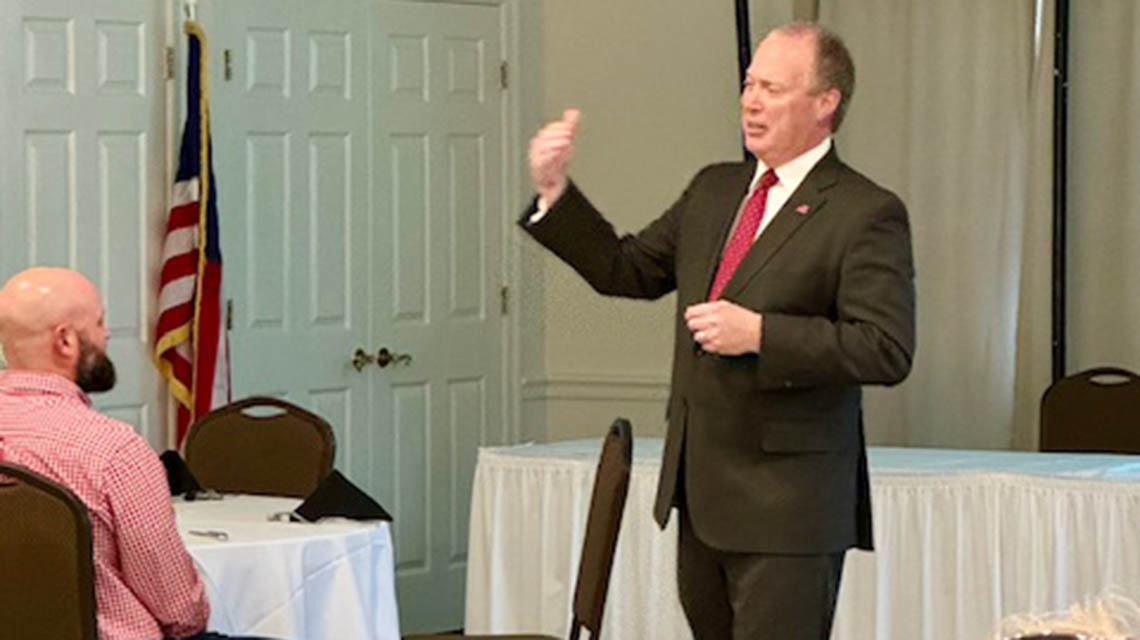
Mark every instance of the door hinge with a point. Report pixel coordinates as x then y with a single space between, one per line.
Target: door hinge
504 300
229 314
168 62
503 75
228 61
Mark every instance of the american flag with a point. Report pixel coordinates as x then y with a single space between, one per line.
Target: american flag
190 342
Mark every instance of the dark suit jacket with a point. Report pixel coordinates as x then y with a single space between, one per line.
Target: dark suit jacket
774 460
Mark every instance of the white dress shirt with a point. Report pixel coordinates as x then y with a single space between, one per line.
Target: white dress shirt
790 175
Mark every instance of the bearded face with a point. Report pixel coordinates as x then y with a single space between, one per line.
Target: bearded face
94 372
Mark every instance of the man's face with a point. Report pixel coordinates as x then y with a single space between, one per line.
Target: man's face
781 113
94 371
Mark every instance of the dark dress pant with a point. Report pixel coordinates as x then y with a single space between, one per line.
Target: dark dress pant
754 596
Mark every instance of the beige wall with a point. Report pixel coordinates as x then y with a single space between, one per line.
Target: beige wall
657 86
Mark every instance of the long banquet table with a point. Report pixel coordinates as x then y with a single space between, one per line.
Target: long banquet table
963 539
332 580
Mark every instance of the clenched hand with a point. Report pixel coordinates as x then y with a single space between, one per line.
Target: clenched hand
550 155
724 328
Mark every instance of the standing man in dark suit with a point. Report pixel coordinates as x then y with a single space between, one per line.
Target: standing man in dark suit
795 287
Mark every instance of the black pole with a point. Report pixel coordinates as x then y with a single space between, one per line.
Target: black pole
1060 173
743 45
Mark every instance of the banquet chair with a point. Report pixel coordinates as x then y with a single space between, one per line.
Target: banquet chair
47 574
260 445
607 504
1094 410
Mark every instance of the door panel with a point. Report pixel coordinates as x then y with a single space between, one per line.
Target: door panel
291 154
82 182
438 145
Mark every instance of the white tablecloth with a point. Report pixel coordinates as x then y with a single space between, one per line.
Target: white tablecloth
334 580
963 539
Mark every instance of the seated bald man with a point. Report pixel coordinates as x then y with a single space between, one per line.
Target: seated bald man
54 339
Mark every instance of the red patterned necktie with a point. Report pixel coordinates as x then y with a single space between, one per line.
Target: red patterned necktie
744 234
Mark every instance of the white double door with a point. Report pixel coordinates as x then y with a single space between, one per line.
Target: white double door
359 159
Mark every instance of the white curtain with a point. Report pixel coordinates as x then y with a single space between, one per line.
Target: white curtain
1104 185
953 111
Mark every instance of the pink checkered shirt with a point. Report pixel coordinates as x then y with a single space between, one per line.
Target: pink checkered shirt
146 586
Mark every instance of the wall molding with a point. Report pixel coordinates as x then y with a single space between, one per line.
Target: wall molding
632 387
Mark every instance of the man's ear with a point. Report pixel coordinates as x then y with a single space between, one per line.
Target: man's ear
65 341
827 103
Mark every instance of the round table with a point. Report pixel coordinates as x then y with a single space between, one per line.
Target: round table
330 580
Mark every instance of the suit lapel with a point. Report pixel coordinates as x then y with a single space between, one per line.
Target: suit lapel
726 204
805 202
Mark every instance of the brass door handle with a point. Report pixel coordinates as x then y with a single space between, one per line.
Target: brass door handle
361 359
385 357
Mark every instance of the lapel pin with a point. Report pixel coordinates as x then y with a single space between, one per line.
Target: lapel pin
802 209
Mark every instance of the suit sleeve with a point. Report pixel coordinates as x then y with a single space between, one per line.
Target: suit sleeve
631 266
871 340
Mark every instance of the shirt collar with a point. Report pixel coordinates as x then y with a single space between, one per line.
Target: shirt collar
41 383
793 172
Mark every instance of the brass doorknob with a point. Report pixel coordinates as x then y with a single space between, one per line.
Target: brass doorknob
385 357
361 359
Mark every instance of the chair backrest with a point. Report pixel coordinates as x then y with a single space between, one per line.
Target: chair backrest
260 445
1094 410
607 504
47 573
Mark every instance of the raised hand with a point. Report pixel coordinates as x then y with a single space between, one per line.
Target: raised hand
550 150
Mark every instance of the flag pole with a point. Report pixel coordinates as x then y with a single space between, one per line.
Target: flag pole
170 93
